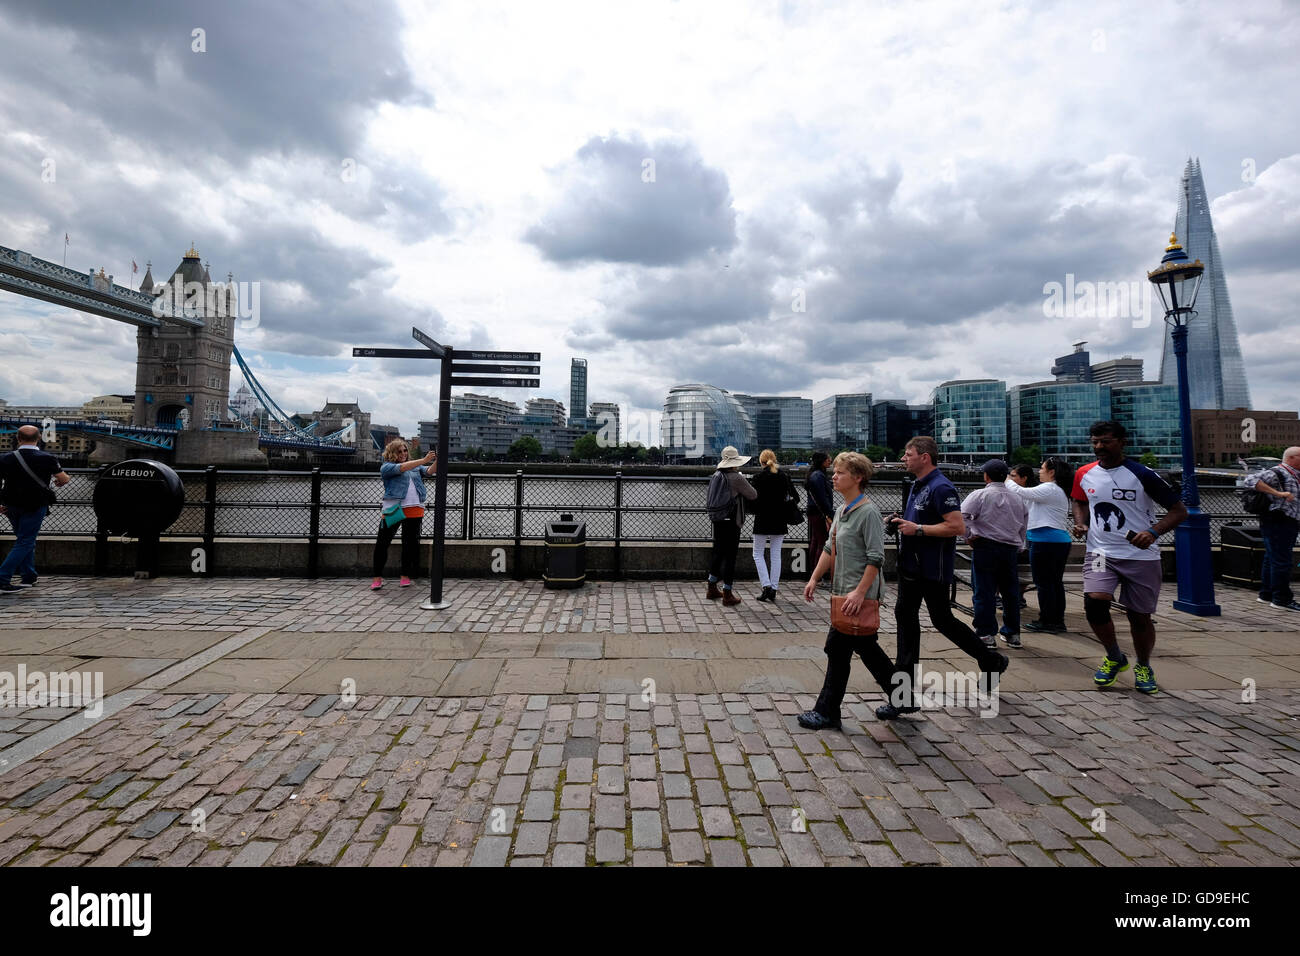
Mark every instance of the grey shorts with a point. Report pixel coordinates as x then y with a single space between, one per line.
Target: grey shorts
1138 581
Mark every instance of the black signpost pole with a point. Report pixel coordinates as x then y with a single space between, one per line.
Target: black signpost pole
435 602
466 373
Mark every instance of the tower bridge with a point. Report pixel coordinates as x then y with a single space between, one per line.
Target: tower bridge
184 343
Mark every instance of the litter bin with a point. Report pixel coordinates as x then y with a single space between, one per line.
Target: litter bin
1242 555
139 498
566 553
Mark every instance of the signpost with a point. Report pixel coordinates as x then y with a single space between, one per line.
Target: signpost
500 382
394 353
454 370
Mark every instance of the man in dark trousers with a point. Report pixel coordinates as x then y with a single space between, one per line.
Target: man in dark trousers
820 509
24 494
930 522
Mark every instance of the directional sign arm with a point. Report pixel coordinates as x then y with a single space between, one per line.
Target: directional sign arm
459 368
428 343
502 382
469 355
361 352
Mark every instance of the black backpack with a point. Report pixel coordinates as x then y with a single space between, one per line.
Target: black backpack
1255 502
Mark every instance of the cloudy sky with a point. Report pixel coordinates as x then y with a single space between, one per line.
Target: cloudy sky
773 197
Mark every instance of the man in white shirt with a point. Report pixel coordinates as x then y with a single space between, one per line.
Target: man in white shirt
1114 505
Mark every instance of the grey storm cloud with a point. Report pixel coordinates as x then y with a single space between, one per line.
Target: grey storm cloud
273 76
267 91
280 99
609 212
349 291
884 279
689 302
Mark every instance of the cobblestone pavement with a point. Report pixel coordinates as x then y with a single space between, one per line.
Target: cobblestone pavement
1057 779
496 605
522 736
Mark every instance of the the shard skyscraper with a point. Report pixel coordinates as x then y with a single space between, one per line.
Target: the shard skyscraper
1216 374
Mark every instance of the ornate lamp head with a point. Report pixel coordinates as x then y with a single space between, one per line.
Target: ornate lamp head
1178 280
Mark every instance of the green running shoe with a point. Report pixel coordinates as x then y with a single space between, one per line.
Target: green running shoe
1109 670
1144 680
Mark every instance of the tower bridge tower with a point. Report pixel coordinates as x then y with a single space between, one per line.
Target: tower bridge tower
183 374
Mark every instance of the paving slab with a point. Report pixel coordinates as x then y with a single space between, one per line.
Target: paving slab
388 677
228 676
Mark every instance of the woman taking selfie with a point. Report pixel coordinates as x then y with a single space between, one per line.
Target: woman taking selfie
403 505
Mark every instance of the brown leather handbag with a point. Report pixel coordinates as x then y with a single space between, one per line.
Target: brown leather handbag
863 624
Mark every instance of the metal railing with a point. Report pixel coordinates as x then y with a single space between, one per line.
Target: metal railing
317 506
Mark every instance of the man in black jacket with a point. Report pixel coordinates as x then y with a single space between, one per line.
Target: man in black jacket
24 498
820 508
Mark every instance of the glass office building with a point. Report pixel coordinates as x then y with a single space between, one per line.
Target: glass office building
700 420
843 422
894 423
1056 417
578 391
1216 375
1149 411
970 420
780 421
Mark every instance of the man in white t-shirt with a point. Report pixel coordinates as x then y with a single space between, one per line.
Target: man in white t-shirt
1114 501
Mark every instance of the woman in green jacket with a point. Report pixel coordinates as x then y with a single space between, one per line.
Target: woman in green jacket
853 556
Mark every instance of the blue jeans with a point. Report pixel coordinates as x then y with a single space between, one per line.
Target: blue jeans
995 573
1279 541
21 557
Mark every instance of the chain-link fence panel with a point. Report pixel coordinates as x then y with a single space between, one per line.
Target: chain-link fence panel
588 499
665 509
349 505
493 511
271 505
73 512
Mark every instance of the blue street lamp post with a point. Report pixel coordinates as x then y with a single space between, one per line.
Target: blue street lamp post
1178 279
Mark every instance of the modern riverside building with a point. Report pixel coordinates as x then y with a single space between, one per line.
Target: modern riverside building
767 428
1056 417
1149 411
779 421
545 410
1216 375
1224 435
701 420
970 420
1115 371
605 417
894 423
578 389
843 422
489 424
1074 367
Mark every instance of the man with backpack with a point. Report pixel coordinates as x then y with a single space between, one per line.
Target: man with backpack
728 489
25 497
1279 489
